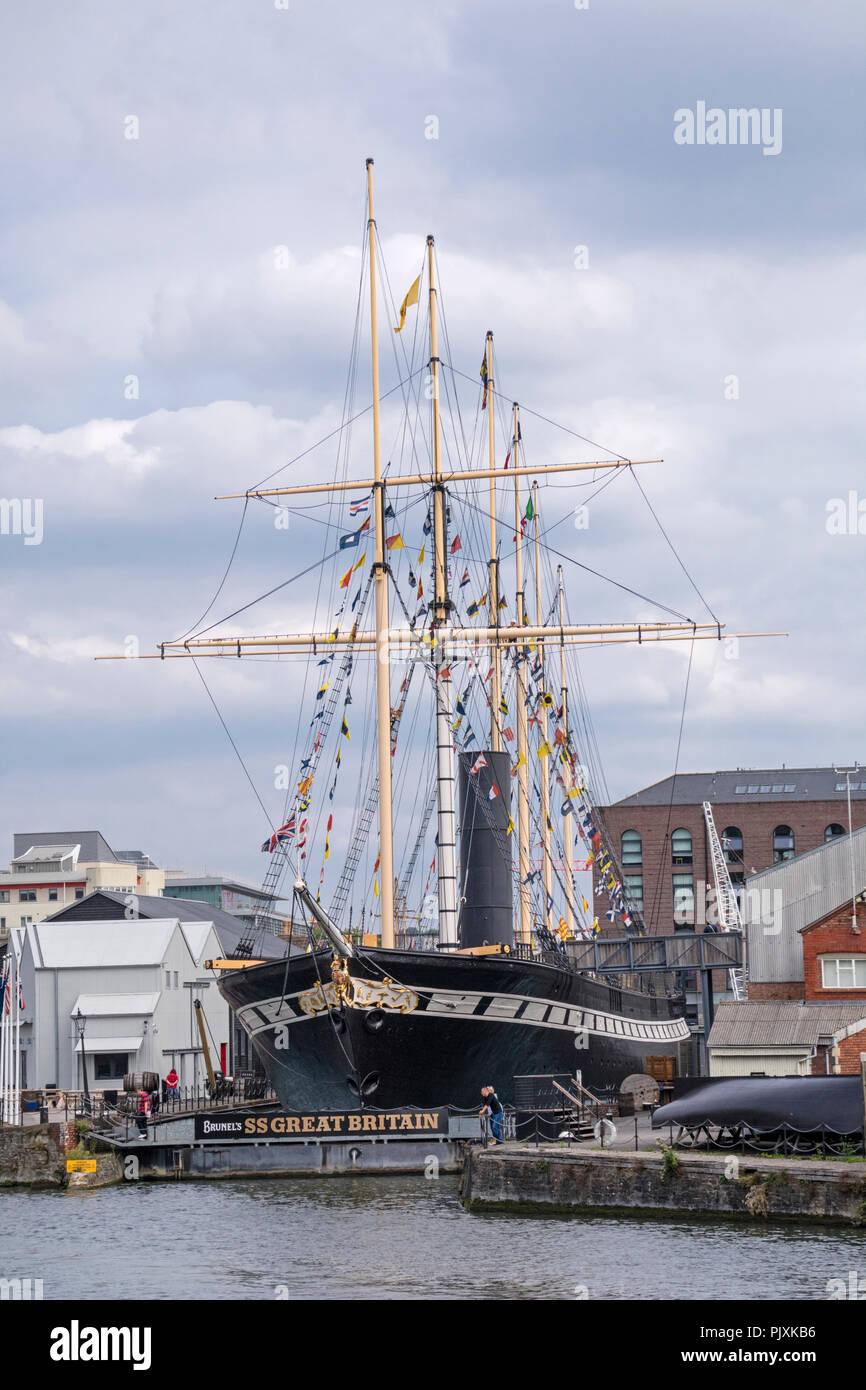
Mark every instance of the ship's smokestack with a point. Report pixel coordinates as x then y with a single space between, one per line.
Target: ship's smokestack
484 884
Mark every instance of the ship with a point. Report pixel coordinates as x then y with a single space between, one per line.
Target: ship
494 977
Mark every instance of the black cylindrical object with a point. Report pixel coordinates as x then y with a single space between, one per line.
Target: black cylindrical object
484 885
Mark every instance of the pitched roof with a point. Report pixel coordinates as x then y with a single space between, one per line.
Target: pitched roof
795 894
196 935
72 945
780 1023
748 785
102 904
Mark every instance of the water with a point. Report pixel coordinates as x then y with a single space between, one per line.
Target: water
392 1238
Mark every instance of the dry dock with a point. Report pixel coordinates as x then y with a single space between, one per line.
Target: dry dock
543 1178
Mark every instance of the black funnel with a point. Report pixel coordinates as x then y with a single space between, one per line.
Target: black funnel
484 883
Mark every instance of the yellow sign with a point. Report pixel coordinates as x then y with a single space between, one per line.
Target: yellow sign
81 1165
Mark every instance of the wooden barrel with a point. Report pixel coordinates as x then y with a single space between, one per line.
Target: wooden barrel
141 1081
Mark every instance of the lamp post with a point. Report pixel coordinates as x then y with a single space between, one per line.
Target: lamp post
80 1021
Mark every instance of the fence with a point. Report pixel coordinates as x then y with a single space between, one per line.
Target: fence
227 1094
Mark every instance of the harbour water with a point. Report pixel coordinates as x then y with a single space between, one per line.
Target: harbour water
393 1238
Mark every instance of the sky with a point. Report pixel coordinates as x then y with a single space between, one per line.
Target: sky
180 236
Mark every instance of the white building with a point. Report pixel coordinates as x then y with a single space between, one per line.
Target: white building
134 983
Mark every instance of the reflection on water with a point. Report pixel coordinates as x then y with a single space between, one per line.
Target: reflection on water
394 1238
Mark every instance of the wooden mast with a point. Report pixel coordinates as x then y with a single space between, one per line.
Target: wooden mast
525 919
458 475
383 667
447 848
493 581
544 771
568 866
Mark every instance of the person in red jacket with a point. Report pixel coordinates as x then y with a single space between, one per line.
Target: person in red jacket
143 1112
172 1081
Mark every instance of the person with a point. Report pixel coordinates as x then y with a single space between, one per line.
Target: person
143 1112
493 1107
172 1082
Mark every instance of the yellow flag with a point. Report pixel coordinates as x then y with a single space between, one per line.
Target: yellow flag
411 298
376 887
510 826
544 750
421 556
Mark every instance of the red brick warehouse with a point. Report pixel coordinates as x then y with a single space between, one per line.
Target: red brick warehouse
762 816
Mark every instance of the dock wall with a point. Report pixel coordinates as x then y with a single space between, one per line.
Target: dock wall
32 1156
543 1179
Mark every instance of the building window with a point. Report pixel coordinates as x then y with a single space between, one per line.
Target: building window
52 895
79 894
684 898
681 846
27 895
834 830
783 843
176 982
843 972
4 895
732 844
631 851
633 884
168 979
109 1066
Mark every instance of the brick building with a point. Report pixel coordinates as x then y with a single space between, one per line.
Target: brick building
762 817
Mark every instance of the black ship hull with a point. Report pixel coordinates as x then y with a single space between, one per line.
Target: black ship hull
427 1029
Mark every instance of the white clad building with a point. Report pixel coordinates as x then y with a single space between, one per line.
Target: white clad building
134 983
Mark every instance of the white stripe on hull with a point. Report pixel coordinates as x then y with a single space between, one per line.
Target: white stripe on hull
502 1008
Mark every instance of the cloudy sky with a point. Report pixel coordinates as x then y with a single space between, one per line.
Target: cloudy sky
155 351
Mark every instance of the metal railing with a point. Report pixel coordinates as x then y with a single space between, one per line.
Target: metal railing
229 1094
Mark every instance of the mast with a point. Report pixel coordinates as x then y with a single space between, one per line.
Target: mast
383 670
542 730
568 866
493 581
522 727
447 852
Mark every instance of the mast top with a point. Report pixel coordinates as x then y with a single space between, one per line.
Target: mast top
369 162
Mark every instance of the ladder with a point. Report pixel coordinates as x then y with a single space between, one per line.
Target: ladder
279 863
406 880
364 824
730 918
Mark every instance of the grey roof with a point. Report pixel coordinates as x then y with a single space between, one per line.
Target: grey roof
795 783
780 902
72 946
108 906
173 880
135 856
94 849
781 1023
